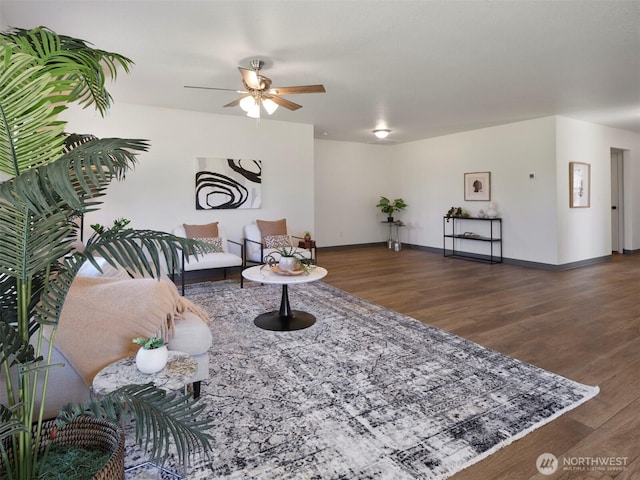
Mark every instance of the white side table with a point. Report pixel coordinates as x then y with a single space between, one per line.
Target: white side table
175 375
285 319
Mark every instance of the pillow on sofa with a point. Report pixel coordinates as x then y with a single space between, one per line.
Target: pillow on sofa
275 241
215 242
210 230
276 227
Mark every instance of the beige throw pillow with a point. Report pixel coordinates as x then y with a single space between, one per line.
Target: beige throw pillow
210 230
275 227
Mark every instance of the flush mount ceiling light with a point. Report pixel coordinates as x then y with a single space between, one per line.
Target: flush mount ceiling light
381 132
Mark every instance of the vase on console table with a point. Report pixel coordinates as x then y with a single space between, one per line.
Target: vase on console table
491 211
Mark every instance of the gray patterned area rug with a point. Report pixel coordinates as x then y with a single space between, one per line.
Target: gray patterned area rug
365 393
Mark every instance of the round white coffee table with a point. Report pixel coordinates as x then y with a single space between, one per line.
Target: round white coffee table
175 375
285 319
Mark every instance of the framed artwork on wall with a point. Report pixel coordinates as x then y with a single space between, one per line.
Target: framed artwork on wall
579 185
477 186
228 183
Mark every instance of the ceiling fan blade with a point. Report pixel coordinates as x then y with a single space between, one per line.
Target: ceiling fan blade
250 78
283 102
214 88
298 89
236 102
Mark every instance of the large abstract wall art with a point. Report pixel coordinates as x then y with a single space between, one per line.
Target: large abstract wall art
227 183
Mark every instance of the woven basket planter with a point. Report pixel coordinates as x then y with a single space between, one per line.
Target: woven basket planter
92 434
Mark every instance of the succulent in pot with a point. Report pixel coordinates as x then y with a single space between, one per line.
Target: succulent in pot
153 354
288 259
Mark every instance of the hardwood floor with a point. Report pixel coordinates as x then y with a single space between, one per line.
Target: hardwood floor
583 324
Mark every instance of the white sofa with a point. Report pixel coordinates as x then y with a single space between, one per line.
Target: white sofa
70 384
214 260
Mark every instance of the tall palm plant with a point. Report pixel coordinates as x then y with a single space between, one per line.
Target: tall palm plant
50 179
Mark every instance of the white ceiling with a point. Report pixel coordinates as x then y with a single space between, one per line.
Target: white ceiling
421 68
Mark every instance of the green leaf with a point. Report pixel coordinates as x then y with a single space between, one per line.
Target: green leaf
160 418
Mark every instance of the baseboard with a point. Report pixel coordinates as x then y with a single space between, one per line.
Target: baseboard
630 252
486 258
352 245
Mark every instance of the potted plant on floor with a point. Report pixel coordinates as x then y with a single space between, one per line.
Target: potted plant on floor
389 207
51 178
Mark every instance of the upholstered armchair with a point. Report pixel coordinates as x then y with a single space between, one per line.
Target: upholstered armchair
262 239
224 258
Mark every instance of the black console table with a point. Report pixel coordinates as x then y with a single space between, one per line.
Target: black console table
457 233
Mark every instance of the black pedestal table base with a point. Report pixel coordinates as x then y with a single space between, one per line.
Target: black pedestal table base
285 319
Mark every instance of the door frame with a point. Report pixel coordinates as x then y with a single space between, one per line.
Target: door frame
617 197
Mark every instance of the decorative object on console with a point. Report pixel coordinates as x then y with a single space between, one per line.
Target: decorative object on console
456 212
389 207
492 212
152 356
482 213
477 186
226 183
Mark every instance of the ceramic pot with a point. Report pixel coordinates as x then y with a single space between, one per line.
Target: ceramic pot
288 264
152 360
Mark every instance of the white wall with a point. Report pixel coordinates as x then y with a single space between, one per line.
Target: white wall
429 174
159 193
331 188
432 172
350 178
586 232
538 224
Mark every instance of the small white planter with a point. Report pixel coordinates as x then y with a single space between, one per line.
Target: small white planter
288 264
153 360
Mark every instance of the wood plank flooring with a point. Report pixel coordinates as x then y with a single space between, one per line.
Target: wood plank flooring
583 324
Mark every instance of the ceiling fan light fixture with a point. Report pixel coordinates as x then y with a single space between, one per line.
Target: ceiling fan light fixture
382 132
269 105
247 103
254 111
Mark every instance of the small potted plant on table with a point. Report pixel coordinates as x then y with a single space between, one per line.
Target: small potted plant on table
153 354
389 207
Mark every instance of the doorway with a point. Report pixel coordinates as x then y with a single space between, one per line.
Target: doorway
617 201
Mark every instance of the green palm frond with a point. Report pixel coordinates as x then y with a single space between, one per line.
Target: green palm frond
31 135
13 345
76 176
160 417
142 252
75 62
29 243
9 426
55 290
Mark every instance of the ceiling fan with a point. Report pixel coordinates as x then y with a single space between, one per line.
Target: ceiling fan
259 92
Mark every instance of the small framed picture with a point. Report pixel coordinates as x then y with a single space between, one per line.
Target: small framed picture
579 185
477 186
